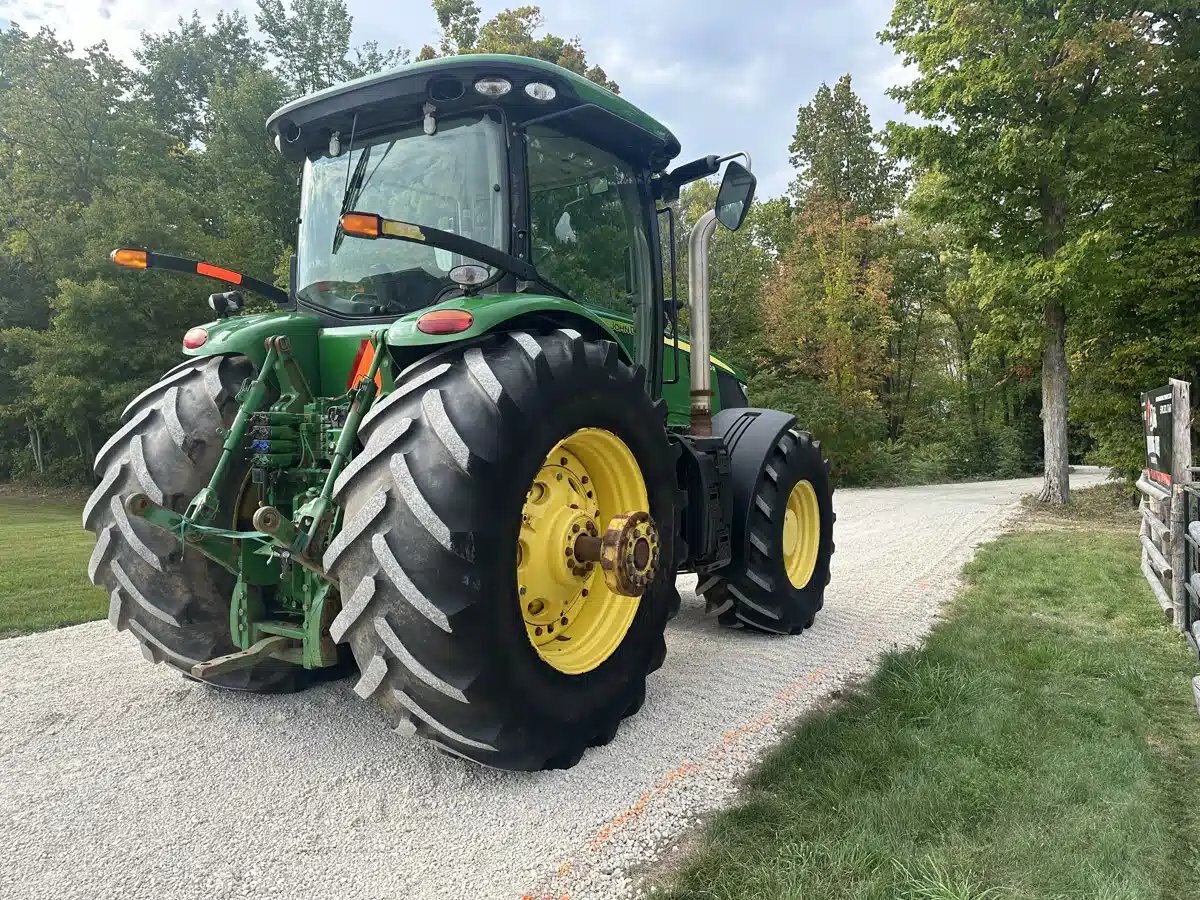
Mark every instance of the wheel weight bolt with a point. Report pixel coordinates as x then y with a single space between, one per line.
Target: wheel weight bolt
536 606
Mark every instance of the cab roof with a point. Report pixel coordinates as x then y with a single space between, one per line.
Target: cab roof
388 98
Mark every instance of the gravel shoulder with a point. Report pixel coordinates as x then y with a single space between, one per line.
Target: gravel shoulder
120 780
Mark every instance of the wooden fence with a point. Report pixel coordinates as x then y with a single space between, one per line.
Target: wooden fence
1170 508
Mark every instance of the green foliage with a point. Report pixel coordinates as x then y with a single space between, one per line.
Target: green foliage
834 154
181 68
509 31
1055 135
309 41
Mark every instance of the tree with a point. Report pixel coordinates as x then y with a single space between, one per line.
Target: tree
1033 109
310 43
181 68
459 21
833 151
509 31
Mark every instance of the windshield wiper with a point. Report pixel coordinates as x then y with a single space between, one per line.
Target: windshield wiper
372 226
350 197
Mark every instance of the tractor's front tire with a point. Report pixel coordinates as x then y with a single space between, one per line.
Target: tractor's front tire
436 506
175 603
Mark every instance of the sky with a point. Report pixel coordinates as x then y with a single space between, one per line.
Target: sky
723 76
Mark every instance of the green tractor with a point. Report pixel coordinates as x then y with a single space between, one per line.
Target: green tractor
471 452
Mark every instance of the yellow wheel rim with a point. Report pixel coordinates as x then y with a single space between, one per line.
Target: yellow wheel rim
574 621
801 534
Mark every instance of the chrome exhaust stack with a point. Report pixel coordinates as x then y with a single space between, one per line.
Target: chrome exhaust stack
733 202
699 377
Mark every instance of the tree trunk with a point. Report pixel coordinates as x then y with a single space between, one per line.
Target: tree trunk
1056 488
35 445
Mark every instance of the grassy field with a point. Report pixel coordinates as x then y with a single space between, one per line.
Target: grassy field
1043 744
43 566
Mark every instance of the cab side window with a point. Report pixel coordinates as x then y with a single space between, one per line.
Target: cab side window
587 231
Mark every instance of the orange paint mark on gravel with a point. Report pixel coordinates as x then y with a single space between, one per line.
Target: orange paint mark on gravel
606 832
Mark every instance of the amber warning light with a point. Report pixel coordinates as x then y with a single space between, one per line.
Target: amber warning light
364 225
129 258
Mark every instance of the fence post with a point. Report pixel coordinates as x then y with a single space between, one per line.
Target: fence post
1181 432
1178 550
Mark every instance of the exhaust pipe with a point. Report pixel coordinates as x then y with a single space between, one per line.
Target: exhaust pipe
699 371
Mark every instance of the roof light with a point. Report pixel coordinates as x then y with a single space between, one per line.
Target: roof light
445 321
367 225
130 259
195 338
540 92
493 86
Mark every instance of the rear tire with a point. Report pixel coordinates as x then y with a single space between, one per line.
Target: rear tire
427 558
757 592
175 603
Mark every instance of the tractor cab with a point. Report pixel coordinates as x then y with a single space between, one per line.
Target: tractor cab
502 176
517 155
508 154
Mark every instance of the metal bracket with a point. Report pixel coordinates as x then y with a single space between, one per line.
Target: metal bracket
242 659
215 543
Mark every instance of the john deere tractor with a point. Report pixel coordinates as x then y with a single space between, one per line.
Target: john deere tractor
472 450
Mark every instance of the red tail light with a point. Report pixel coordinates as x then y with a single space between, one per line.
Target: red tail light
195 338
445 321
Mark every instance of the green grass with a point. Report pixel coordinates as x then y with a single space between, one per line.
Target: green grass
1043 743
43 566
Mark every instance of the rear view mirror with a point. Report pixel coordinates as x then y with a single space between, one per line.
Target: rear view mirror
735 195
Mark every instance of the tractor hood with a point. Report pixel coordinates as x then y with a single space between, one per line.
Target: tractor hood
304 126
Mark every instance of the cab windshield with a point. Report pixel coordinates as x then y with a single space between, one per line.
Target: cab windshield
453 180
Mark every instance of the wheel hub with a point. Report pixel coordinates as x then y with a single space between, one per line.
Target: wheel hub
801 538
579 588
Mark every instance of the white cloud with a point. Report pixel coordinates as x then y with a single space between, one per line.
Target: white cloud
118 22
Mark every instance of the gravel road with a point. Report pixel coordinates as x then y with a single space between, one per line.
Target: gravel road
120 780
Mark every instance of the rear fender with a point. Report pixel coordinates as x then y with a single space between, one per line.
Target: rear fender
500 312
749 434
247 335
